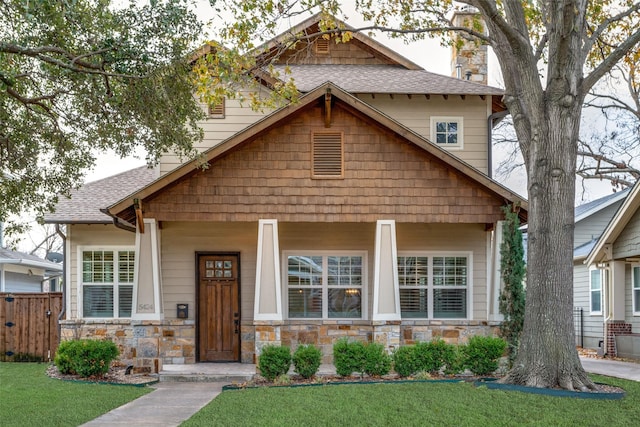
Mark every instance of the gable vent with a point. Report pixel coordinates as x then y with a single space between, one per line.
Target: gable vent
327 155
217 111
322 45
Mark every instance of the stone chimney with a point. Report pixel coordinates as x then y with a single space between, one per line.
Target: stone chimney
469 61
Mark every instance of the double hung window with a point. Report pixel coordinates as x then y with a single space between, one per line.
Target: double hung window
595 291
434 287
107 282
325 286
635 289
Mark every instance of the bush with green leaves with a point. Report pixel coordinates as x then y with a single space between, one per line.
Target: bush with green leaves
434 355
306 360
275 360
482 354
86 358
348 357
404 360
376 360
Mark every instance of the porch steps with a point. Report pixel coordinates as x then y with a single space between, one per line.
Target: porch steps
208 372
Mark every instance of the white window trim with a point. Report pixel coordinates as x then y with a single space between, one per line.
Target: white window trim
459 120
633 289
591 312
80 281
325 314
431 255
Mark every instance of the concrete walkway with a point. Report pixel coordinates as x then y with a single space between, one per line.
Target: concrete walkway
168 405
171 402
612 368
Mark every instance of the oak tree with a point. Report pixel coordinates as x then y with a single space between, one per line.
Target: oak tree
80 76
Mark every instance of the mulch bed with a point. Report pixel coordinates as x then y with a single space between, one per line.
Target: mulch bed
116 375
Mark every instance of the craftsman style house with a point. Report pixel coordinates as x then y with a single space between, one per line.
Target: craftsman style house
613 284
590 221
365 210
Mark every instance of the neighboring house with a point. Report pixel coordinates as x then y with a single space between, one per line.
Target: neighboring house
614 271
20 272
590 221
364 211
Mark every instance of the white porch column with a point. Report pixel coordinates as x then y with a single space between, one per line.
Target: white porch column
494 275
617 290
386 292
147 296
268 291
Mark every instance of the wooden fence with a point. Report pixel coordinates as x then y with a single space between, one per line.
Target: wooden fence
29 326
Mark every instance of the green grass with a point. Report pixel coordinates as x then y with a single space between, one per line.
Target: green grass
28 397
415 404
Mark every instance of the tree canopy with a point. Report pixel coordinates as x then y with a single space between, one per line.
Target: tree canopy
79 76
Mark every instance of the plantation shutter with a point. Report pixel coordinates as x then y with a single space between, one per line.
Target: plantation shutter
327 152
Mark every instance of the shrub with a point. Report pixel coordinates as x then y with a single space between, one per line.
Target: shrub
433 356
306 360
86 358
481 354
404 360
455 360
275 360
377 362
348 357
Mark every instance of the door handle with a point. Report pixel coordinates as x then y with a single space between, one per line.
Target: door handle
236 322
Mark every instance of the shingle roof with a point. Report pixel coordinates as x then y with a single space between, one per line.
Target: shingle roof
85 203
15 257
382 79
583 250
595 205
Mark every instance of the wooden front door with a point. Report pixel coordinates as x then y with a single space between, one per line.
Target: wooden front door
218 308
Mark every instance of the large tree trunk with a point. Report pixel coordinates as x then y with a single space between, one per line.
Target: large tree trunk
547 123
547 356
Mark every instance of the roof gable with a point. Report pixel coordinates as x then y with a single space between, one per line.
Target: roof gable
290 116
587 209
617 225
361 49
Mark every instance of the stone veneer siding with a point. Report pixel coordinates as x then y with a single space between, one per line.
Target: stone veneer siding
149 344
146 344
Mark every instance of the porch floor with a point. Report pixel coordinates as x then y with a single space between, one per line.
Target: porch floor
224 372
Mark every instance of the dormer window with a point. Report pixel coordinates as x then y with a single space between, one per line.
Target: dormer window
446 132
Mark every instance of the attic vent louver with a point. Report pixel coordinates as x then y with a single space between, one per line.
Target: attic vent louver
327 155
322 45
217 111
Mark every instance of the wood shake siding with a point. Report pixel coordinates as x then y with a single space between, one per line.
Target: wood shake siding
352 53
269 177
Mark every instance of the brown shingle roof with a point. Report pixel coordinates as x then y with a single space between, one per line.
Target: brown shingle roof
383 79
85 203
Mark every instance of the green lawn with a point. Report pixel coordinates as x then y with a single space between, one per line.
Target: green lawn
415 404
28 397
